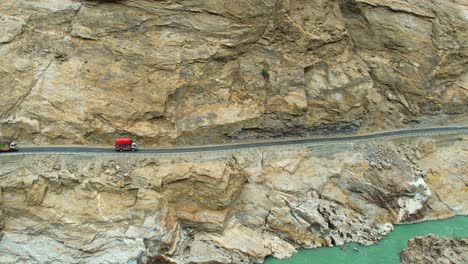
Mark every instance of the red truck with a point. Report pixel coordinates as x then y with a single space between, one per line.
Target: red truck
125 144
8 146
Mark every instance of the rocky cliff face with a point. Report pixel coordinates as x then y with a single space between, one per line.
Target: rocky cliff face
432 249
175 72
223 207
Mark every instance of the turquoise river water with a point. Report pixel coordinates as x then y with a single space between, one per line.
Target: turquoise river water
385 252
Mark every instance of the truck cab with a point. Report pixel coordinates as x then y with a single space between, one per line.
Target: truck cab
13 146
135 146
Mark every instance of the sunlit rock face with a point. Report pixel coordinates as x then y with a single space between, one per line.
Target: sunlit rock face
182 72
223 207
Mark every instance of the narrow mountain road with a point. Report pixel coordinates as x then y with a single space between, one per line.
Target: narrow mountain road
335 139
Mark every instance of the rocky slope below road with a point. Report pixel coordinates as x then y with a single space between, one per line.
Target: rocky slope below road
434 250
179 72
227 206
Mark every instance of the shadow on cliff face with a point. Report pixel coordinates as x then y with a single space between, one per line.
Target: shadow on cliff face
159 260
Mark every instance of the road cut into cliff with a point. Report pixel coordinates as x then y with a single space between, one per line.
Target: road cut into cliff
226 206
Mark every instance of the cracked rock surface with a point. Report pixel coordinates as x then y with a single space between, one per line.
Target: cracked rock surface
184 72
433 249
223 207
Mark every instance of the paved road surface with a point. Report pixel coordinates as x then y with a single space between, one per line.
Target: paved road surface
408 132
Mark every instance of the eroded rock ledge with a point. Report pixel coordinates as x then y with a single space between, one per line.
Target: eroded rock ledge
224 207
433 249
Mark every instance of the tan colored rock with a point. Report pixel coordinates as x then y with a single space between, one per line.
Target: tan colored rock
185 72
36 195
202 219
10 28
448 182
237 206
241 238
279 248
203 252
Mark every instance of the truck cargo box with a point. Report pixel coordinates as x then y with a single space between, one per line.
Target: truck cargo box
123 141
125 144
8 146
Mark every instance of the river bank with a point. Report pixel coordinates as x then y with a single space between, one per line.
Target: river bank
386 251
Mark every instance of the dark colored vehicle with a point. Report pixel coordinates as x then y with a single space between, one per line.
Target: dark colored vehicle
8 146
125 144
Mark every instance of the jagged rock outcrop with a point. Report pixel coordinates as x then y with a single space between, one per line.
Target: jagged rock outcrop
223 207
433 249
179 72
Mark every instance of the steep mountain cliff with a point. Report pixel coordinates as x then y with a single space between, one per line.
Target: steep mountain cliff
225 206
180 72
